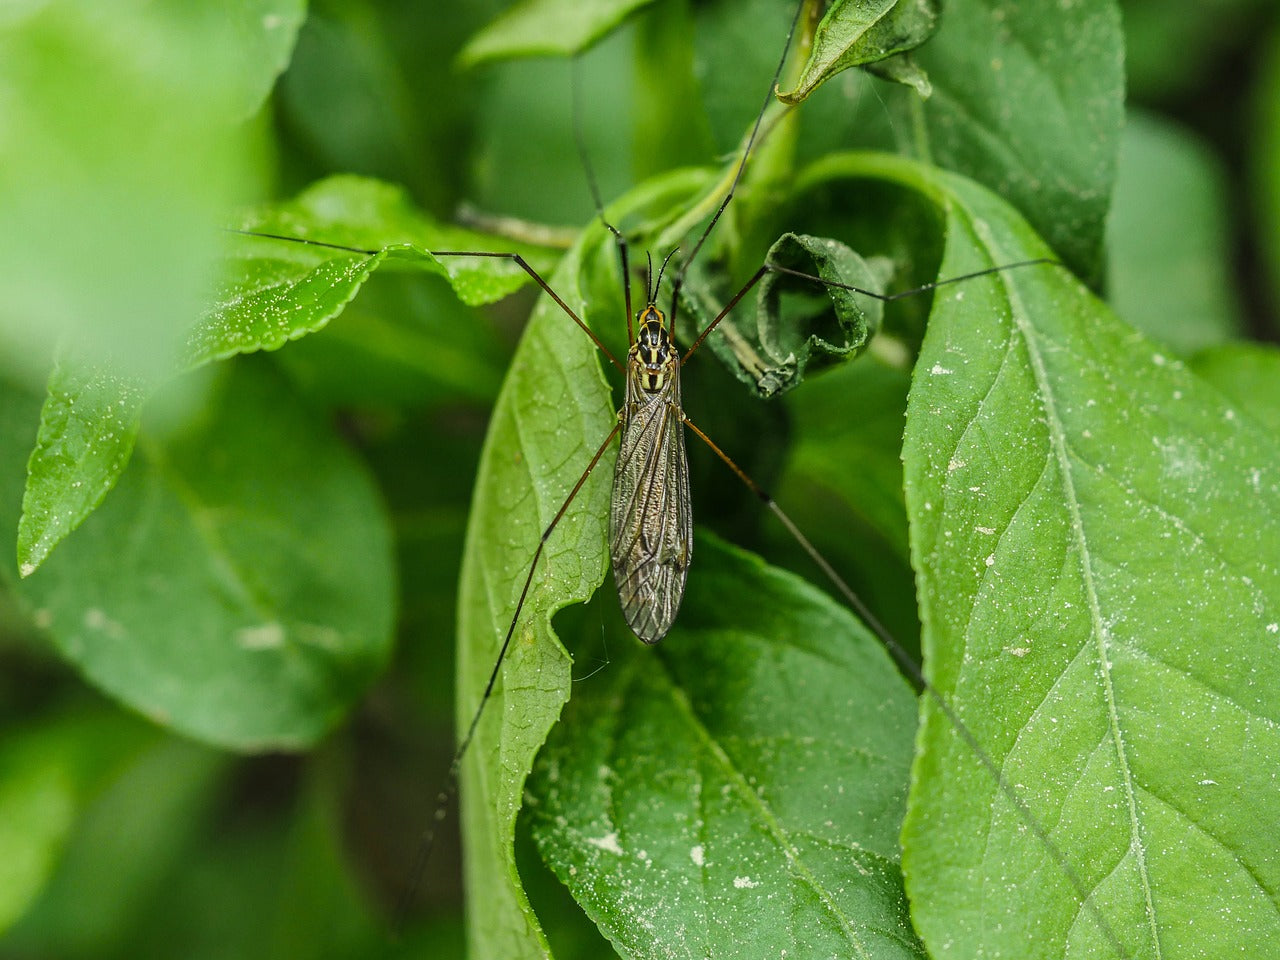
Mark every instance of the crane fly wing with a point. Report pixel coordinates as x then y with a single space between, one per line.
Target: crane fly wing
650 519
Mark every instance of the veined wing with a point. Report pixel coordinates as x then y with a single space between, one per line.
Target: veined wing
650 519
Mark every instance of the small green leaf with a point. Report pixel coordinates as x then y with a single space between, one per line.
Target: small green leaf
87 430
1097 540
743 782
771 348
856 33
302 286
1168 246
1028 99
243 561
547 28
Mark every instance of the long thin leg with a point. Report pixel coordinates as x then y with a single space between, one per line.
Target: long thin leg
515 258
523 264
883 297
427 841
909 666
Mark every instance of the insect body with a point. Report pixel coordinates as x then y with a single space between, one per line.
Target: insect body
650 518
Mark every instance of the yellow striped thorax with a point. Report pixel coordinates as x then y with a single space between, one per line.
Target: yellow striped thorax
652 356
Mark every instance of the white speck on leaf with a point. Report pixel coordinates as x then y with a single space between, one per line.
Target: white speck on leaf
608 843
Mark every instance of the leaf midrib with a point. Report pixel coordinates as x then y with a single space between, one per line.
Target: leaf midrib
1058 445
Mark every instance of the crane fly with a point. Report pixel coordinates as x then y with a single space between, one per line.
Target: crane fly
650 535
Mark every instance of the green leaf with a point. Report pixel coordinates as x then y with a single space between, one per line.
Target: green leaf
748 774
1168 245
1096 533
547 28
243 560
842 485
87 430
856 33
1028 99
107 233
770 349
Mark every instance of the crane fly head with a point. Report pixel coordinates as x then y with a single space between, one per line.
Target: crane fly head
652 355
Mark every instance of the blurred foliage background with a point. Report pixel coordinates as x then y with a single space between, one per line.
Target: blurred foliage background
123 148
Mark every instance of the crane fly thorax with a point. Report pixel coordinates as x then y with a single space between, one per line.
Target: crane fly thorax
652 358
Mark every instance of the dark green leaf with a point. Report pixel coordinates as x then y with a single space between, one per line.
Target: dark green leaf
1168 245
856 33
1096 537
541 28
737 791
1028 99
849 439
1177 46
244 560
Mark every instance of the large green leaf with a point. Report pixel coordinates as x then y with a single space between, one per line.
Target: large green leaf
1028 99
237 585
736 791
1095 533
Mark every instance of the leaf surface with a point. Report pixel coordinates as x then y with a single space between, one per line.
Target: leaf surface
737 790
1096 537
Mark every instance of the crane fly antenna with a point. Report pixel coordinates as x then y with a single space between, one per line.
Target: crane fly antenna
661 270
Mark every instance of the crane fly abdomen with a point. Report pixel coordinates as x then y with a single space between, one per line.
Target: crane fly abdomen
650 518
